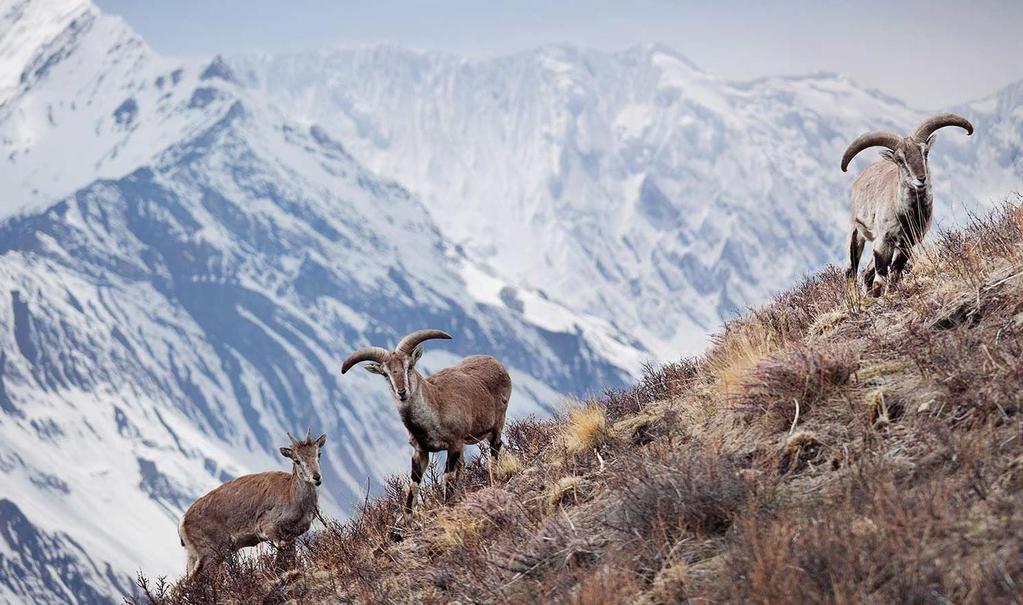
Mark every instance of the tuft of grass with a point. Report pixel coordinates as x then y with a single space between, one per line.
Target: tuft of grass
585 429
738 351
794 380
827 321
457 528
637 428
675 493
507 466
565 488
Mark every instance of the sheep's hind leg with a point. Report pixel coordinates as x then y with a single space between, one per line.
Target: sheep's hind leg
198 564
856 243
452 471
493 448
285 556
495 441
190 564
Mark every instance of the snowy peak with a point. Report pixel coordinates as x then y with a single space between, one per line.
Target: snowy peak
685 196
183 267
88 99
187 251
34 34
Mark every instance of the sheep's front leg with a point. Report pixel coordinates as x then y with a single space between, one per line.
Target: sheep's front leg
453 470
899 261
420 459
882 262
868 277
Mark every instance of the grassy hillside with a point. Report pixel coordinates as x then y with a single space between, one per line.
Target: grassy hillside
828 447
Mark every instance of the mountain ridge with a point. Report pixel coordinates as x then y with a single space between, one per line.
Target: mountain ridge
592 154
186 256
165 323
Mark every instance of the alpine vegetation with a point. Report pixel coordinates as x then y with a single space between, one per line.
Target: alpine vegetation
460 404
272 507
868 452
892 203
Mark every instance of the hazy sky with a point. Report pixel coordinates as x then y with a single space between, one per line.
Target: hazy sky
929 53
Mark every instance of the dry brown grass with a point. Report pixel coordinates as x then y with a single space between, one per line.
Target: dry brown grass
739 351
566 487
507 466
585 428
458 528
900 481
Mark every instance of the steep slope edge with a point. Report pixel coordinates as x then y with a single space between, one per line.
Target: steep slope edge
827 447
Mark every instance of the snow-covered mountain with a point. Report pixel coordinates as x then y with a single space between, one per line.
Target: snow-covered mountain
186 295
631 186
187 251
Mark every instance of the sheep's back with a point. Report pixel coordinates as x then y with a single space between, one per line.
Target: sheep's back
236 505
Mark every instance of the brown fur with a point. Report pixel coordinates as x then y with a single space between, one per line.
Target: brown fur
465 403
274 506
892 202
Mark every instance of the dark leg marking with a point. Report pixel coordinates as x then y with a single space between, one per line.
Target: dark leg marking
856 242
419 461
882 259
899 260
452 469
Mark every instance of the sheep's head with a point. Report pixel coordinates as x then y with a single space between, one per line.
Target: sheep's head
306 456
908 153
910 156
396 365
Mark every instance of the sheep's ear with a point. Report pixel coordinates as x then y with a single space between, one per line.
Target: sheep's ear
375 368
888 154
930 141
416 354
287 453
321 440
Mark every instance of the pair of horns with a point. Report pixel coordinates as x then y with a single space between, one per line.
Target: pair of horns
308 437
880 138
405 345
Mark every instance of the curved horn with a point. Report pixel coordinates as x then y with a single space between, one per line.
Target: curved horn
309 435
928 126
366 354
871 139
293 440
410 342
